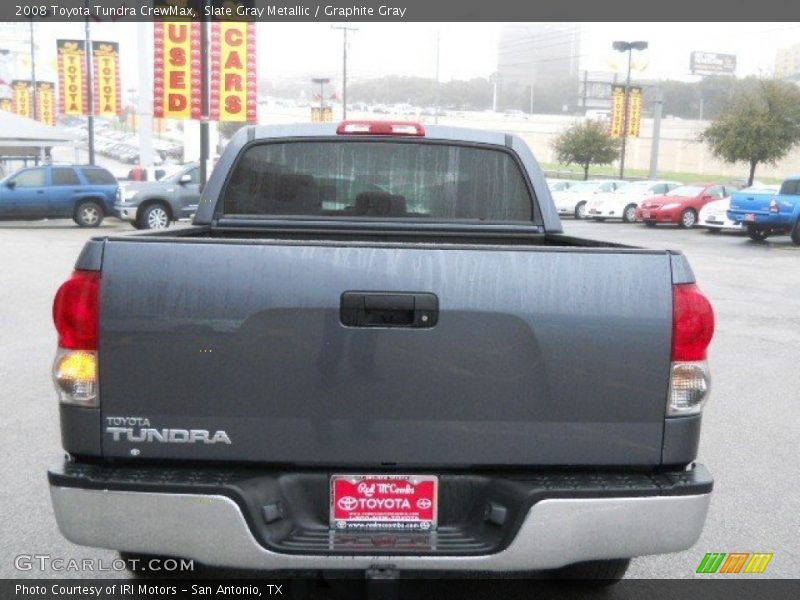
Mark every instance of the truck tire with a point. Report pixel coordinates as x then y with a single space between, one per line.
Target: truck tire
580 210
596 572
88 214
795 233
688 219
756 234
154 216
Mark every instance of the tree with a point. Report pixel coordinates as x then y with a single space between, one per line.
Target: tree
760 126
228 128
585 144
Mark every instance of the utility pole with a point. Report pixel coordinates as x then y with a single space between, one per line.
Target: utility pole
436 110
204 103
344 29
33 74
144 120
658 104
89 88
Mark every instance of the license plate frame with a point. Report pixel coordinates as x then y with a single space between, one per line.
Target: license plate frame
750 218
377 502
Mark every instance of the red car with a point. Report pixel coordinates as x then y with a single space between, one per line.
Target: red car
682 204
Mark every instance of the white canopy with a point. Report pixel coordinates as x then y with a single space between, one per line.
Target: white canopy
20 136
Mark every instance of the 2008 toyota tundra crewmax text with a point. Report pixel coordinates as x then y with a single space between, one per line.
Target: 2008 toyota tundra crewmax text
375 347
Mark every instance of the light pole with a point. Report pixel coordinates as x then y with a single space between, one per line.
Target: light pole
345 29
628 47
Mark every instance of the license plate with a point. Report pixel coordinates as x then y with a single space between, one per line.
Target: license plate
750 217
389 502
645 214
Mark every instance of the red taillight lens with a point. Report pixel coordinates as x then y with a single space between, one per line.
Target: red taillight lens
692 323
380 128
76 311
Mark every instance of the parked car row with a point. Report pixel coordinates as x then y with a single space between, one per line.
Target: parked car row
760 210
87 194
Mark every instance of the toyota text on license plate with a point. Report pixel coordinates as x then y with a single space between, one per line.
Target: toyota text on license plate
389 502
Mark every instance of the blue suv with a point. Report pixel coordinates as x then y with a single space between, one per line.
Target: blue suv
84 194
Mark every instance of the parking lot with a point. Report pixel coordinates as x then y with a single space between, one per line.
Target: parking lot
751 433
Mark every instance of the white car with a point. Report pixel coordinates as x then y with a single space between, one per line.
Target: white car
559 185
573 201
622 202
714 215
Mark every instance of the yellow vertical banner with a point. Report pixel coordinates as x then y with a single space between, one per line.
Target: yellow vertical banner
177 77
617 110
107 88
73 96
634 111
233 94
21 90
46 102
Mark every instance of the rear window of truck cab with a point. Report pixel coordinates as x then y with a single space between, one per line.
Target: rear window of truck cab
378 179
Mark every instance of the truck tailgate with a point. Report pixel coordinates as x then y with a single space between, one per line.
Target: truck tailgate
540 356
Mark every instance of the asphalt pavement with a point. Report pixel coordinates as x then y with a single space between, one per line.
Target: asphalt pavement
751 429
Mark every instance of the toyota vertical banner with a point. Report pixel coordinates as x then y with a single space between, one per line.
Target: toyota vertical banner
177 77
21 90
73 95
107 88
233 71
46 102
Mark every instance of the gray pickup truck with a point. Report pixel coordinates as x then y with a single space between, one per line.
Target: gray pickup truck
155 204
375 348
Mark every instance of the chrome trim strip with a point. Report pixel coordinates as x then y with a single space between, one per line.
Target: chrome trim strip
212 530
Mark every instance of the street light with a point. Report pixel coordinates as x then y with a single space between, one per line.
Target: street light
628 47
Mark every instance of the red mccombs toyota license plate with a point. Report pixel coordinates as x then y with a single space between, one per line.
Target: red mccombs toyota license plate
397 502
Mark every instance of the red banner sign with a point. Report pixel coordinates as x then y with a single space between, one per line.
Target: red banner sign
46 102
106 82
233 92
177 77
23 100
73 94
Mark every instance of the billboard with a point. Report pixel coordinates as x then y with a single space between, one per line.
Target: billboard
177 77
106 81
712 63
232 95
73 97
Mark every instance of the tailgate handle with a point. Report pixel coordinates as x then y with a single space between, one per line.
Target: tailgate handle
389 309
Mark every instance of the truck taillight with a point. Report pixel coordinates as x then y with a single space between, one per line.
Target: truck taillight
76 317
692 330
773 206
380 128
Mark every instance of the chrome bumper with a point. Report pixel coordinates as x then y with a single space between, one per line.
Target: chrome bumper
126 212
212 530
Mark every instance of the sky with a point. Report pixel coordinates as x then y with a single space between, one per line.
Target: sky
298 50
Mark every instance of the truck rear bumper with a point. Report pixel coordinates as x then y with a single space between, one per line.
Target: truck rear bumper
215 529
